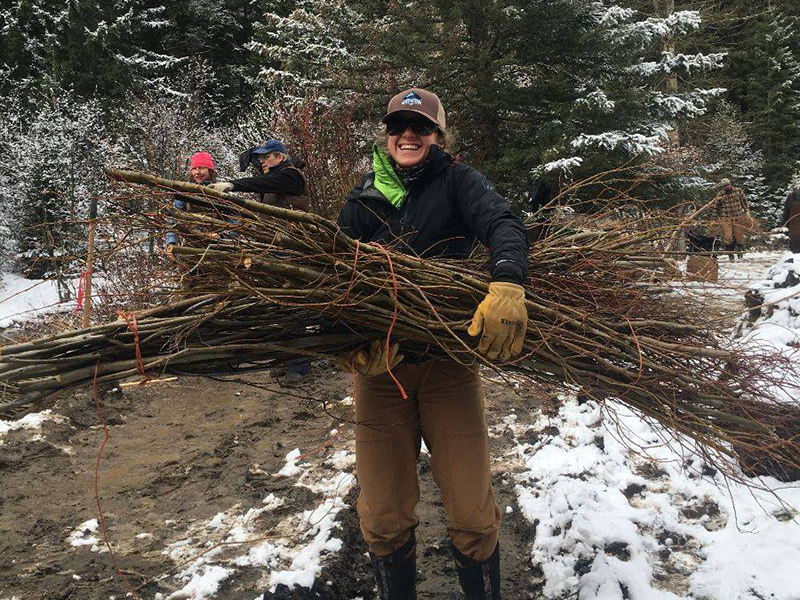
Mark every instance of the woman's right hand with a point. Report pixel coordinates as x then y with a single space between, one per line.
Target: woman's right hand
371 359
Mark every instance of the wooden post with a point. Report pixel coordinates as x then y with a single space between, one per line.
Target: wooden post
87 290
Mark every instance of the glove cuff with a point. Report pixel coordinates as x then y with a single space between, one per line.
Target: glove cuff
505 289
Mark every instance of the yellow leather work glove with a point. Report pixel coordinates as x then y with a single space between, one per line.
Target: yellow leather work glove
503 319
370 359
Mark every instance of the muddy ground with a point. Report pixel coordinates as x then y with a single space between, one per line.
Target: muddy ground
183 451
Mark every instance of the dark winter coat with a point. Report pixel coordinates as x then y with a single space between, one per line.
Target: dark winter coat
283 185
446 208
180 204
791 219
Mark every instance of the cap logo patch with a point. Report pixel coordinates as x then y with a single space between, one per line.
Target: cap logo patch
411 99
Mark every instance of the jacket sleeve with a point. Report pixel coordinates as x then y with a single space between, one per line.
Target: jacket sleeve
355 219
787 208
172 236
488 216
283 181
745 203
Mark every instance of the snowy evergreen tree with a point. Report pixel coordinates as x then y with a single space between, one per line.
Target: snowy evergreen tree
621 112
29 42
303 47
214 35
52 167
763 75
728 151
113 46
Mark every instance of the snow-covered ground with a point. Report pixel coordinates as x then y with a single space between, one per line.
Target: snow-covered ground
22 299
292 555
614 524
611 523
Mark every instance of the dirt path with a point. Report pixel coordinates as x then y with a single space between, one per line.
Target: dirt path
184 451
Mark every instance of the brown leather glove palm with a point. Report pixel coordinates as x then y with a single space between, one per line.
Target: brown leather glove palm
503 318
370 360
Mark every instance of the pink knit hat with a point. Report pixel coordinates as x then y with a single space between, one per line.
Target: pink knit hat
202 159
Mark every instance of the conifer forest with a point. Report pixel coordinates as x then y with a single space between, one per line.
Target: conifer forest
557 90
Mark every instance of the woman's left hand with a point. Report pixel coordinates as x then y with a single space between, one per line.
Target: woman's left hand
503 318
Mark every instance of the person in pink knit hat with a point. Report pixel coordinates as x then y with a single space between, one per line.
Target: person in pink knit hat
201 168
201 172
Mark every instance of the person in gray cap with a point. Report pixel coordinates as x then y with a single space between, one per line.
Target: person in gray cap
282 184
419 200
733 213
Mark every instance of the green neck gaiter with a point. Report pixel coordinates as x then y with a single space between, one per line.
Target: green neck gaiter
387 181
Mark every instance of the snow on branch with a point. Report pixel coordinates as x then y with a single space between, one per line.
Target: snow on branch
597 100
614 16
686 106
632 143
683 63
562 164
151 61
647 31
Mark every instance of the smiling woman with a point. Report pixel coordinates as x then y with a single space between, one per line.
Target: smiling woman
421 201
414 122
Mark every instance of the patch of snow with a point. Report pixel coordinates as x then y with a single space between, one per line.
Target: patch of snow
202 584
272 502
81 535
613 523
32 421
777 329
292 551
22 299
291 469
342 459
307 561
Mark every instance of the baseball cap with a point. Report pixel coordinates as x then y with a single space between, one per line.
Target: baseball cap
271 146
418 101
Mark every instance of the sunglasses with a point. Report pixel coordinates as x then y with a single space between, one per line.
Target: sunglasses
421 127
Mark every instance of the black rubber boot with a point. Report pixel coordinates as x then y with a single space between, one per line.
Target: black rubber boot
396 574
479 580
731 248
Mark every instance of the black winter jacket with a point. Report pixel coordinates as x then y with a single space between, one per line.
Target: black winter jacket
279 180
446 208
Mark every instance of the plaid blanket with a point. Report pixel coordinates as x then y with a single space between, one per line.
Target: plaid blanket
731 204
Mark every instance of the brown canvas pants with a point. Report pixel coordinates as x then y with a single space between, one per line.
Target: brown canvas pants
733 230
445 407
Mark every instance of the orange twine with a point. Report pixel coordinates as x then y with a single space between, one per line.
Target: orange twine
394 320
97 484
134 327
